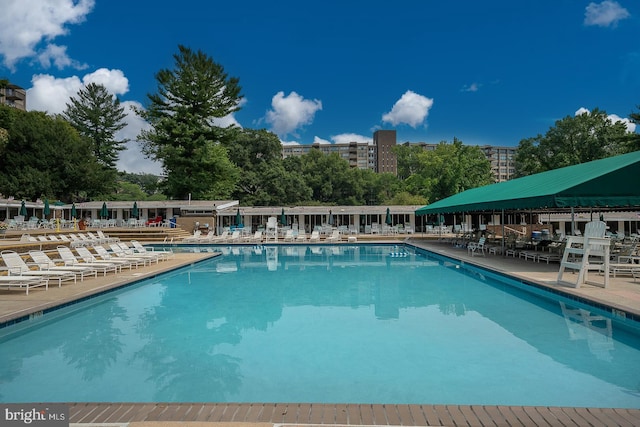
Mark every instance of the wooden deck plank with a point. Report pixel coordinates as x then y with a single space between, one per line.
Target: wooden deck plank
511 415
562 417
423 415
292 413
391 412
441 414
241 413
341 414
537 418
406 419
253 415
267 413
366 412
379 415
353 414
627 415
483 416
456 414
304 413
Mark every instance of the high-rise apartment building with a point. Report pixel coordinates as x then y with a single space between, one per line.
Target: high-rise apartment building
386 160
379 156
13 96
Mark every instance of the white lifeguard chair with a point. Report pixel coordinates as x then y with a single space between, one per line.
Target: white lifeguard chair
271 230
582 250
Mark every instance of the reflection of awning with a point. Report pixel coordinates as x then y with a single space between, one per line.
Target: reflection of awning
605 183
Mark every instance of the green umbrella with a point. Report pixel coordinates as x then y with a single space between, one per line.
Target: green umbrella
238 219
283 218
74 214
104 212
330 221
388 219
47 210
134 211
23 209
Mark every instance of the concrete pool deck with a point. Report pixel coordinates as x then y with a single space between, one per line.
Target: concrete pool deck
622 293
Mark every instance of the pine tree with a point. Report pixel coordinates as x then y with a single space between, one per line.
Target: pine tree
97 115
183 135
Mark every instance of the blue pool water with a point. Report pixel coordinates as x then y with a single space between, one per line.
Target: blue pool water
351 324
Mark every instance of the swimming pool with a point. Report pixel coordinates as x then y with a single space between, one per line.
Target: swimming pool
330 324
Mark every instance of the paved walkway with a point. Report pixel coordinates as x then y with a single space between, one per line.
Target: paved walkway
623 294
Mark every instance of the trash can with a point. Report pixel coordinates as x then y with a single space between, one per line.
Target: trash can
173 221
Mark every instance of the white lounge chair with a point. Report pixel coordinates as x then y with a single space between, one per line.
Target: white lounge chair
16 266
120 252
335 237
42 260
105 255
23 282
68 258
315 237
288 236
143 250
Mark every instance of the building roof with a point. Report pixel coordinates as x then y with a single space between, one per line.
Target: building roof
607 183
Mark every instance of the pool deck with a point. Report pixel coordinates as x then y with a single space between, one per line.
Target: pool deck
622 294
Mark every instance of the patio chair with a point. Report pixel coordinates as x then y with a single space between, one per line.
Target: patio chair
315 237
16 266
477 248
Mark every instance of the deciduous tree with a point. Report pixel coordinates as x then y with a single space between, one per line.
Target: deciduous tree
573 140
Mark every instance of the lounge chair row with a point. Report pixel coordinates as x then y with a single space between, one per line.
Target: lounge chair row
86 262
259 237
74 239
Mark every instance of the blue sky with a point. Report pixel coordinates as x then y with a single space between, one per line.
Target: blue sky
491 72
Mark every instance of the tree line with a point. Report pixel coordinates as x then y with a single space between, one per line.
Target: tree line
72 156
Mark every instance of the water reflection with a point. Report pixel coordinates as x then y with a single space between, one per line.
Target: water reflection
596 330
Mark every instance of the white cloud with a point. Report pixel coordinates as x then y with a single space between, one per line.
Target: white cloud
113 80
290 142
229 119
51 94
291 112
132 159
25 24
58 56
473 87
605 14
631 127
321 141
351 137
411 109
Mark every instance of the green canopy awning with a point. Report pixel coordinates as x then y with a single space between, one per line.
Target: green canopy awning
610 182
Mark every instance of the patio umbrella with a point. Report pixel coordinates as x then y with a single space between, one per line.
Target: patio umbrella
330 221
74 214
238 219
388 219
134 210
283 218
23 209
47 210
104 212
